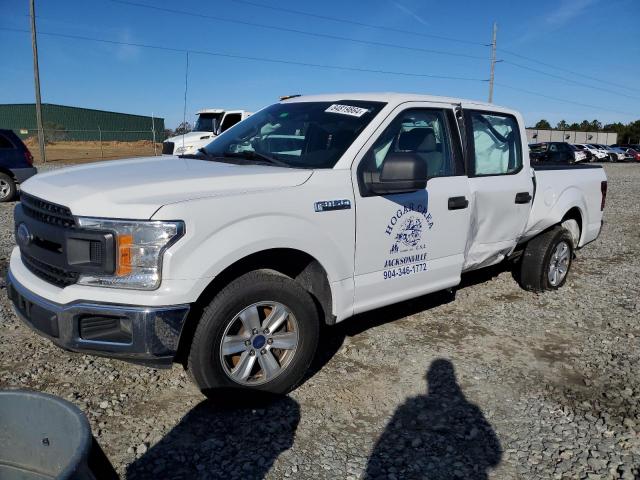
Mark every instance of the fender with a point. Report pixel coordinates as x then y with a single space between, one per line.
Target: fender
551 208
253 234
209 247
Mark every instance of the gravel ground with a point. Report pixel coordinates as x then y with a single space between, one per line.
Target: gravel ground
496 382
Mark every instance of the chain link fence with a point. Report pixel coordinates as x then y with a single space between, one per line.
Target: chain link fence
77 146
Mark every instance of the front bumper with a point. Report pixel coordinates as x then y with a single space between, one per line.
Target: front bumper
139 334
22 174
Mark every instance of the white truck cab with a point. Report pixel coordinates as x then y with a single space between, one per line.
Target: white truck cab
211 122
310 211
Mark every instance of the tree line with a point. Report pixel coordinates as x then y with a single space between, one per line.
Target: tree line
627 133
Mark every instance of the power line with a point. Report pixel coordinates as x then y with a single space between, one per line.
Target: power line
244 57
581 74
374 43
299 32
359 24
569 80
557 99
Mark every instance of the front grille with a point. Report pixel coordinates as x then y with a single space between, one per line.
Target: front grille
49 273
46 212
167 148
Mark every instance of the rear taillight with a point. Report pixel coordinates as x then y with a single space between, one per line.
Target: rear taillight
28 157
603 189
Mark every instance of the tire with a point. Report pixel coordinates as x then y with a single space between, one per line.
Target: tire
7 188
255 295
543 252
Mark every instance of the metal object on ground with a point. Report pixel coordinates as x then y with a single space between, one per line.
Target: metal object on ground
42 436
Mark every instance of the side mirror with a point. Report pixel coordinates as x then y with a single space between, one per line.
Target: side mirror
401 173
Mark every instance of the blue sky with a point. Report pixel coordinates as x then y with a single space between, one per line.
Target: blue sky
599 38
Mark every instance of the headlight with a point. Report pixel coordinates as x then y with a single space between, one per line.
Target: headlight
140 246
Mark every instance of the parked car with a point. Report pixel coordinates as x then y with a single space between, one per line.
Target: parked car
621 154
597 154
604 153
16 164
635 146
211 122
228 260
590 157
635 154
556 152
614 156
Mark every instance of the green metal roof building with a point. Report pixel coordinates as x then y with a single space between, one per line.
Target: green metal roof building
61 122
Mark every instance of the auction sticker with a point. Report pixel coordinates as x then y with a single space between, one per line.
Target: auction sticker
347 110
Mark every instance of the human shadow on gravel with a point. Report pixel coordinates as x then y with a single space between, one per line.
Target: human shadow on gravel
439 435
214 441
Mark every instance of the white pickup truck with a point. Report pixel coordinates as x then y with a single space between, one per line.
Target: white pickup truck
211 123
312 210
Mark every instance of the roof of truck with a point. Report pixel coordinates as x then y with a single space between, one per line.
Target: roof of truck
210 110
389 97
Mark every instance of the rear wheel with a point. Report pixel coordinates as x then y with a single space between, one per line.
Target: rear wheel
7 188
259 333
546 260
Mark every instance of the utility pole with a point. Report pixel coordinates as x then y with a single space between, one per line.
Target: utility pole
36 78
153 134
493 61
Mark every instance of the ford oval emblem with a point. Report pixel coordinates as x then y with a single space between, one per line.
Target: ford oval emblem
24 235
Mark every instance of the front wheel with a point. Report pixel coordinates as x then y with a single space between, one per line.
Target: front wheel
546 260
259 333
7 188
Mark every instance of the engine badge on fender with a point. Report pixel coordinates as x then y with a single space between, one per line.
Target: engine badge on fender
329 205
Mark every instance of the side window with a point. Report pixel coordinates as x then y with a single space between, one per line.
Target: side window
496 142
420 131
5 143
229 121
553 148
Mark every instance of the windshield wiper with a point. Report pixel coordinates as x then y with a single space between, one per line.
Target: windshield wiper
201 155
252 155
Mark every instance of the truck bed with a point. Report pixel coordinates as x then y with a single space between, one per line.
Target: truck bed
561 190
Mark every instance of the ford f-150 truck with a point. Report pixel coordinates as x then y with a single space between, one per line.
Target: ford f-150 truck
311 210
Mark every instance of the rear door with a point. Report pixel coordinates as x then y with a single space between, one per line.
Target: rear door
501 186
412 243
9 151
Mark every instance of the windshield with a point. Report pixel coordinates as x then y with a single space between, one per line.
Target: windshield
207 122
299 134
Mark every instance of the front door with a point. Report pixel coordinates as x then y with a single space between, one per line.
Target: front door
411 243
501 188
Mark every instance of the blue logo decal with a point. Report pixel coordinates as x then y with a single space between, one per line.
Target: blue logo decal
23 235
409 232
259 341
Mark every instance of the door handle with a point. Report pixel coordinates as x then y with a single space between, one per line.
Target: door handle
458 203
523 197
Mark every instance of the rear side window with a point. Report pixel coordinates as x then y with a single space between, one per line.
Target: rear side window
496 144
5 143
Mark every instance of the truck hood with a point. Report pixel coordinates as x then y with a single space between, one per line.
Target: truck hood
137 188
191 137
